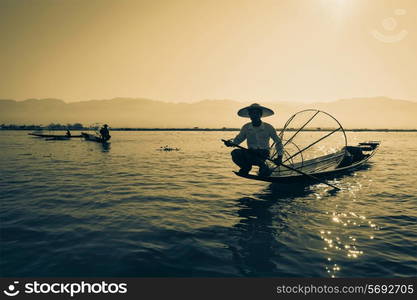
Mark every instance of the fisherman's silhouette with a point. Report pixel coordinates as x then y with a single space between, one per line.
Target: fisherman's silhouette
257 133
104 132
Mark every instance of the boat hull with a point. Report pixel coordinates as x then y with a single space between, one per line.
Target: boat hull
93 138
58 138
343 169
54 135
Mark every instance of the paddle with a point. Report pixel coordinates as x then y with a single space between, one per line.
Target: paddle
292 169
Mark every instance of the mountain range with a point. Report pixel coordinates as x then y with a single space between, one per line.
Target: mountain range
372 113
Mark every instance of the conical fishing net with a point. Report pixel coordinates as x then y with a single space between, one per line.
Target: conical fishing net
314 141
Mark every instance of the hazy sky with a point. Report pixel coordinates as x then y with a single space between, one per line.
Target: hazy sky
189 50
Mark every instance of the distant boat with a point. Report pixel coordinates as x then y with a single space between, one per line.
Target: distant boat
58 138
93 138
54 135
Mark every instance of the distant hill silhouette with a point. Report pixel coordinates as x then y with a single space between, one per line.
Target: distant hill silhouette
378 112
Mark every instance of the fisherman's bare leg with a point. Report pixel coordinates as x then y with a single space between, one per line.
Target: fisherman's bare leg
259 158
241 158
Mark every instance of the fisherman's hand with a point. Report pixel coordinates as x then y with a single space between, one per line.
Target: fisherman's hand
228 143
278 160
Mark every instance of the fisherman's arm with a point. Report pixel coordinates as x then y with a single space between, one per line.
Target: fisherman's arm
278 145
238 139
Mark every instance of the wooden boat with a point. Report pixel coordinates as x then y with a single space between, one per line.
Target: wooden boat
58 138
93 138
305 134
323 167
54 135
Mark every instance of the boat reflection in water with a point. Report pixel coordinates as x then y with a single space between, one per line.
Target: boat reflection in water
105 147
260 244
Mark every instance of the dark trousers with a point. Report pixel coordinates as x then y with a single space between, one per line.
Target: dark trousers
245 159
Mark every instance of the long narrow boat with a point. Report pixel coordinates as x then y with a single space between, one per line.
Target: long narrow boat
93 138
54 135
58 138
323 167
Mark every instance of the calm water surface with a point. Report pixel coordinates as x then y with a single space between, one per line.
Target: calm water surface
74 208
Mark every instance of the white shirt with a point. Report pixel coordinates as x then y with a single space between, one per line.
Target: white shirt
258 137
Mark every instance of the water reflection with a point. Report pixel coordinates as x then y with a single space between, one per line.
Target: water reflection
105 147
263 219
184 213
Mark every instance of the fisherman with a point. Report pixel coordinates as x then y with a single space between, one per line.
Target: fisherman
104 132
68 134
257 134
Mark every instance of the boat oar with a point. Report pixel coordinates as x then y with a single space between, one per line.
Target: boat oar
290 168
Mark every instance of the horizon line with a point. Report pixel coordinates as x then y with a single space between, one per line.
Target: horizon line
213 99
39 128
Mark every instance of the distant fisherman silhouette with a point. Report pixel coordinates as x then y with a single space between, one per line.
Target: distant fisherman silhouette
257 134
104 132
